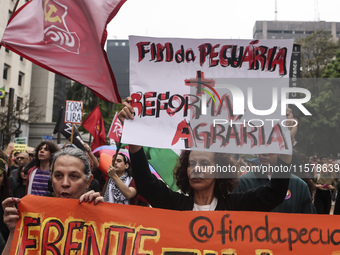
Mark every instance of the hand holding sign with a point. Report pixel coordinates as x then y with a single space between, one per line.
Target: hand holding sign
91 196
11 213
127 112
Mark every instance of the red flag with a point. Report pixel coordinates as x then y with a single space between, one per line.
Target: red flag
116 129
95 125
67 37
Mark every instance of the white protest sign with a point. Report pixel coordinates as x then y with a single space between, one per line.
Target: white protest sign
74 112
208 94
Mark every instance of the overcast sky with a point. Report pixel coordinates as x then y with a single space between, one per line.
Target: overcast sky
220 19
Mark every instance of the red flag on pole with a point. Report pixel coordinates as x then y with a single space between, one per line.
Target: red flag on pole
95 125
67 37
116 129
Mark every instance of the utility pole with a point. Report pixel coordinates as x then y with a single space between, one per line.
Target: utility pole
9 113
316 10
275 10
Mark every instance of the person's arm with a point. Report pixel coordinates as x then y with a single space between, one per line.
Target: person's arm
156 192
128 113
264 198
128 192
11 216
92 156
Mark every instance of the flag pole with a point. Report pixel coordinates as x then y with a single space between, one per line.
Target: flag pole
72 133
15 6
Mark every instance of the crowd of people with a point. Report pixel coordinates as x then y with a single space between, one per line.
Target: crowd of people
73 173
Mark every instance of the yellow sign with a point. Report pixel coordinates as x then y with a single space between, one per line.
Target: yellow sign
20 147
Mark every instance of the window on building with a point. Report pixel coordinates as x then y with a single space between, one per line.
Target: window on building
18 104
6 50
21 78
5 74
21 58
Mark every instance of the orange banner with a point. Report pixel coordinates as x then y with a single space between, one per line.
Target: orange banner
63 226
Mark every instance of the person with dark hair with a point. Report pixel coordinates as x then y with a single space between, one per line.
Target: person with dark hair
70 178
191 160
325 184
21 179
38 176
120 186
202 193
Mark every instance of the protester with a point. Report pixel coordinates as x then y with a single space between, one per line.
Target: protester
325 185
93 160
21 179
38 176
13 161
22 159
336 210
298 198
70 175
323 159
94 165
31 156
4 156
300 160
5 188
253 162
203 193
120 186
5 192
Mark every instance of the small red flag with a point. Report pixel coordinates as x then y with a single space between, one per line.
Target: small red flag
95 125
116 129
67 37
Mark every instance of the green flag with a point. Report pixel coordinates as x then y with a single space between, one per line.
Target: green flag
164 162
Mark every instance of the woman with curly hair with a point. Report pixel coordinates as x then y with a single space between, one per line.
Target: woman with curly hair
198 163
200 192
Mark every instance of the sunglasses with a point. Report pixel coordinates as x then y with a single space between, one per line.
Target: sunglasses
21 158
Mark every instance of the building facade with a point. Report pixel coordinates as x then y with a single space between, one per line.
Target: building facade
31 87
293 29
118 55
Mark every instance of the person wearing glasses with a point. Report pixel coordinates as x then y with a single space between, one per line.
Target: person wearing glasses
22 159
